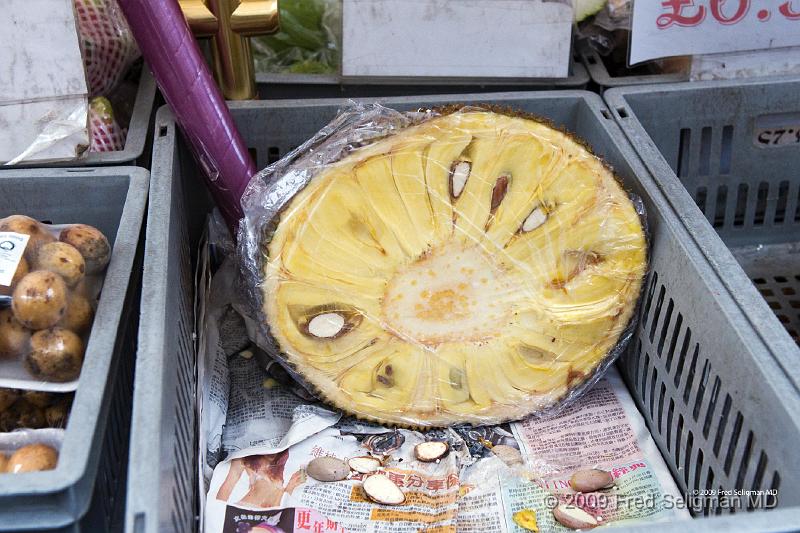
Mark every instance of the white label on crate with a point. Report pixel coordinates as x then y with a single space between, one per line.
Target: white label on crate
772 131
12 246
665 28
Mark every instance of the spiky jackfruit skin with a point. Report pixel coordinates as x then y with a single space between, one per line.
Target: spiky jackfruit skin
474 268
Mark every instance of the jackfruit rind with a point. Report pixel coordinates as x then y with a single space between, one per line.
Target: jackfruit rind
473 268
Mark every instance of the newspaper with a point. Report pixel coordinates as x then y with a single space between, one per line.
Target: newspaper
261 430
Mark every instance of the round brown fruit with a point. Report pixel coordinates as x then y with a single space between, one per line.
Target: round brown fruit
22 271
27 226
14 337
56 355
91 244
32 458
40 399
28 415
7 398
40 300
79 315
56 414
63 259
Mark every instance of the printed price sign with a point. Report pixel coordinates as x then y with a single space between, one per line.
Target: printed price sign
664 28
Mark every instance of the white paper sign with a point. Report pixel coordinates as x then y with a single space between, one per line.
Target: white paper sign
43 91
664 28
12 246
457 38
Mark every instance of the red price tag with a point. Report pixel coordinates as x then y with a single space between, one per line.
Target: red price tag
663 28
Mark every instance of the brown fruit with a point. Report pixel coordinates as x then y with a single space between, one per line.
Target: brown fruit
28 226
56 355
22 271
32 458
28 415
56 415
21 414
40 399
7 398
40 300
3 462
14 337
63 259
91 243
79 315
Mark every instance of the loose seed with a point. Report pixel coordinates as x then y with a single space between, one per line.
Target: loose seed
591 480
381 489
574 517
429 452
364 465
328 469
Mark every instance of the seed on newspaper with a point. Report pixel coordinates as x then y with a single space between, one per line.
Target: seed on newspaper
328 469
574 517
591 480
381 489
508 454
364 464
431 451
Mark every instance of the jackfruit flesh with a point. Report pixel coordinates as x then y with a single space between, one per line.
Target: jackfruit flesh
473 268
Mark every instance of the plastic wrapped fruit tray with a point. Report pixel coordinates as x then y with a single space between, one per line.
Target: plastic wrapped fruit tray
85 491
694 366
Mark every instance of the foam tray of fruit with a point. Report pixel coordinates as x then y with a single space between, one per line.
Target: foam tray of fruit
30 450
46 311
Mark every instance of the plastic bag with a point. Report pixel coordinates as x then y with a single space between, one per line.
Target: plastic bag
441 267
50 280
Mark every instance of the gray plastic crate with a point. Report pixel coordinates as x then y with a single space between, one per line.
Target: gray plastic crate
707 134
85 491
135 151
296 86
599 73
721 409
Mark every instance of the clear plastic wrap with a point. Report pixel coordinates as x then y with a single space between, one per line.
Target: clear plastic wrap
50 281
461 265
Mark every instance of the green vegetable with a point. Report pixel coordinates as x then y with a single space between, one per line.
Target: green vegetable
586 8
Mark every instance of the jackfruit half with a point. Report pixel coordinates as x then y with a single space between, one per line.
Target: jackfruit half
473 268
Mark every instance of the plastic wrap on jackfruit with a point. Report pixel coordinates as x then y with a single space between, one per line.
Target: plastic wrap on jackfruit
460 265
